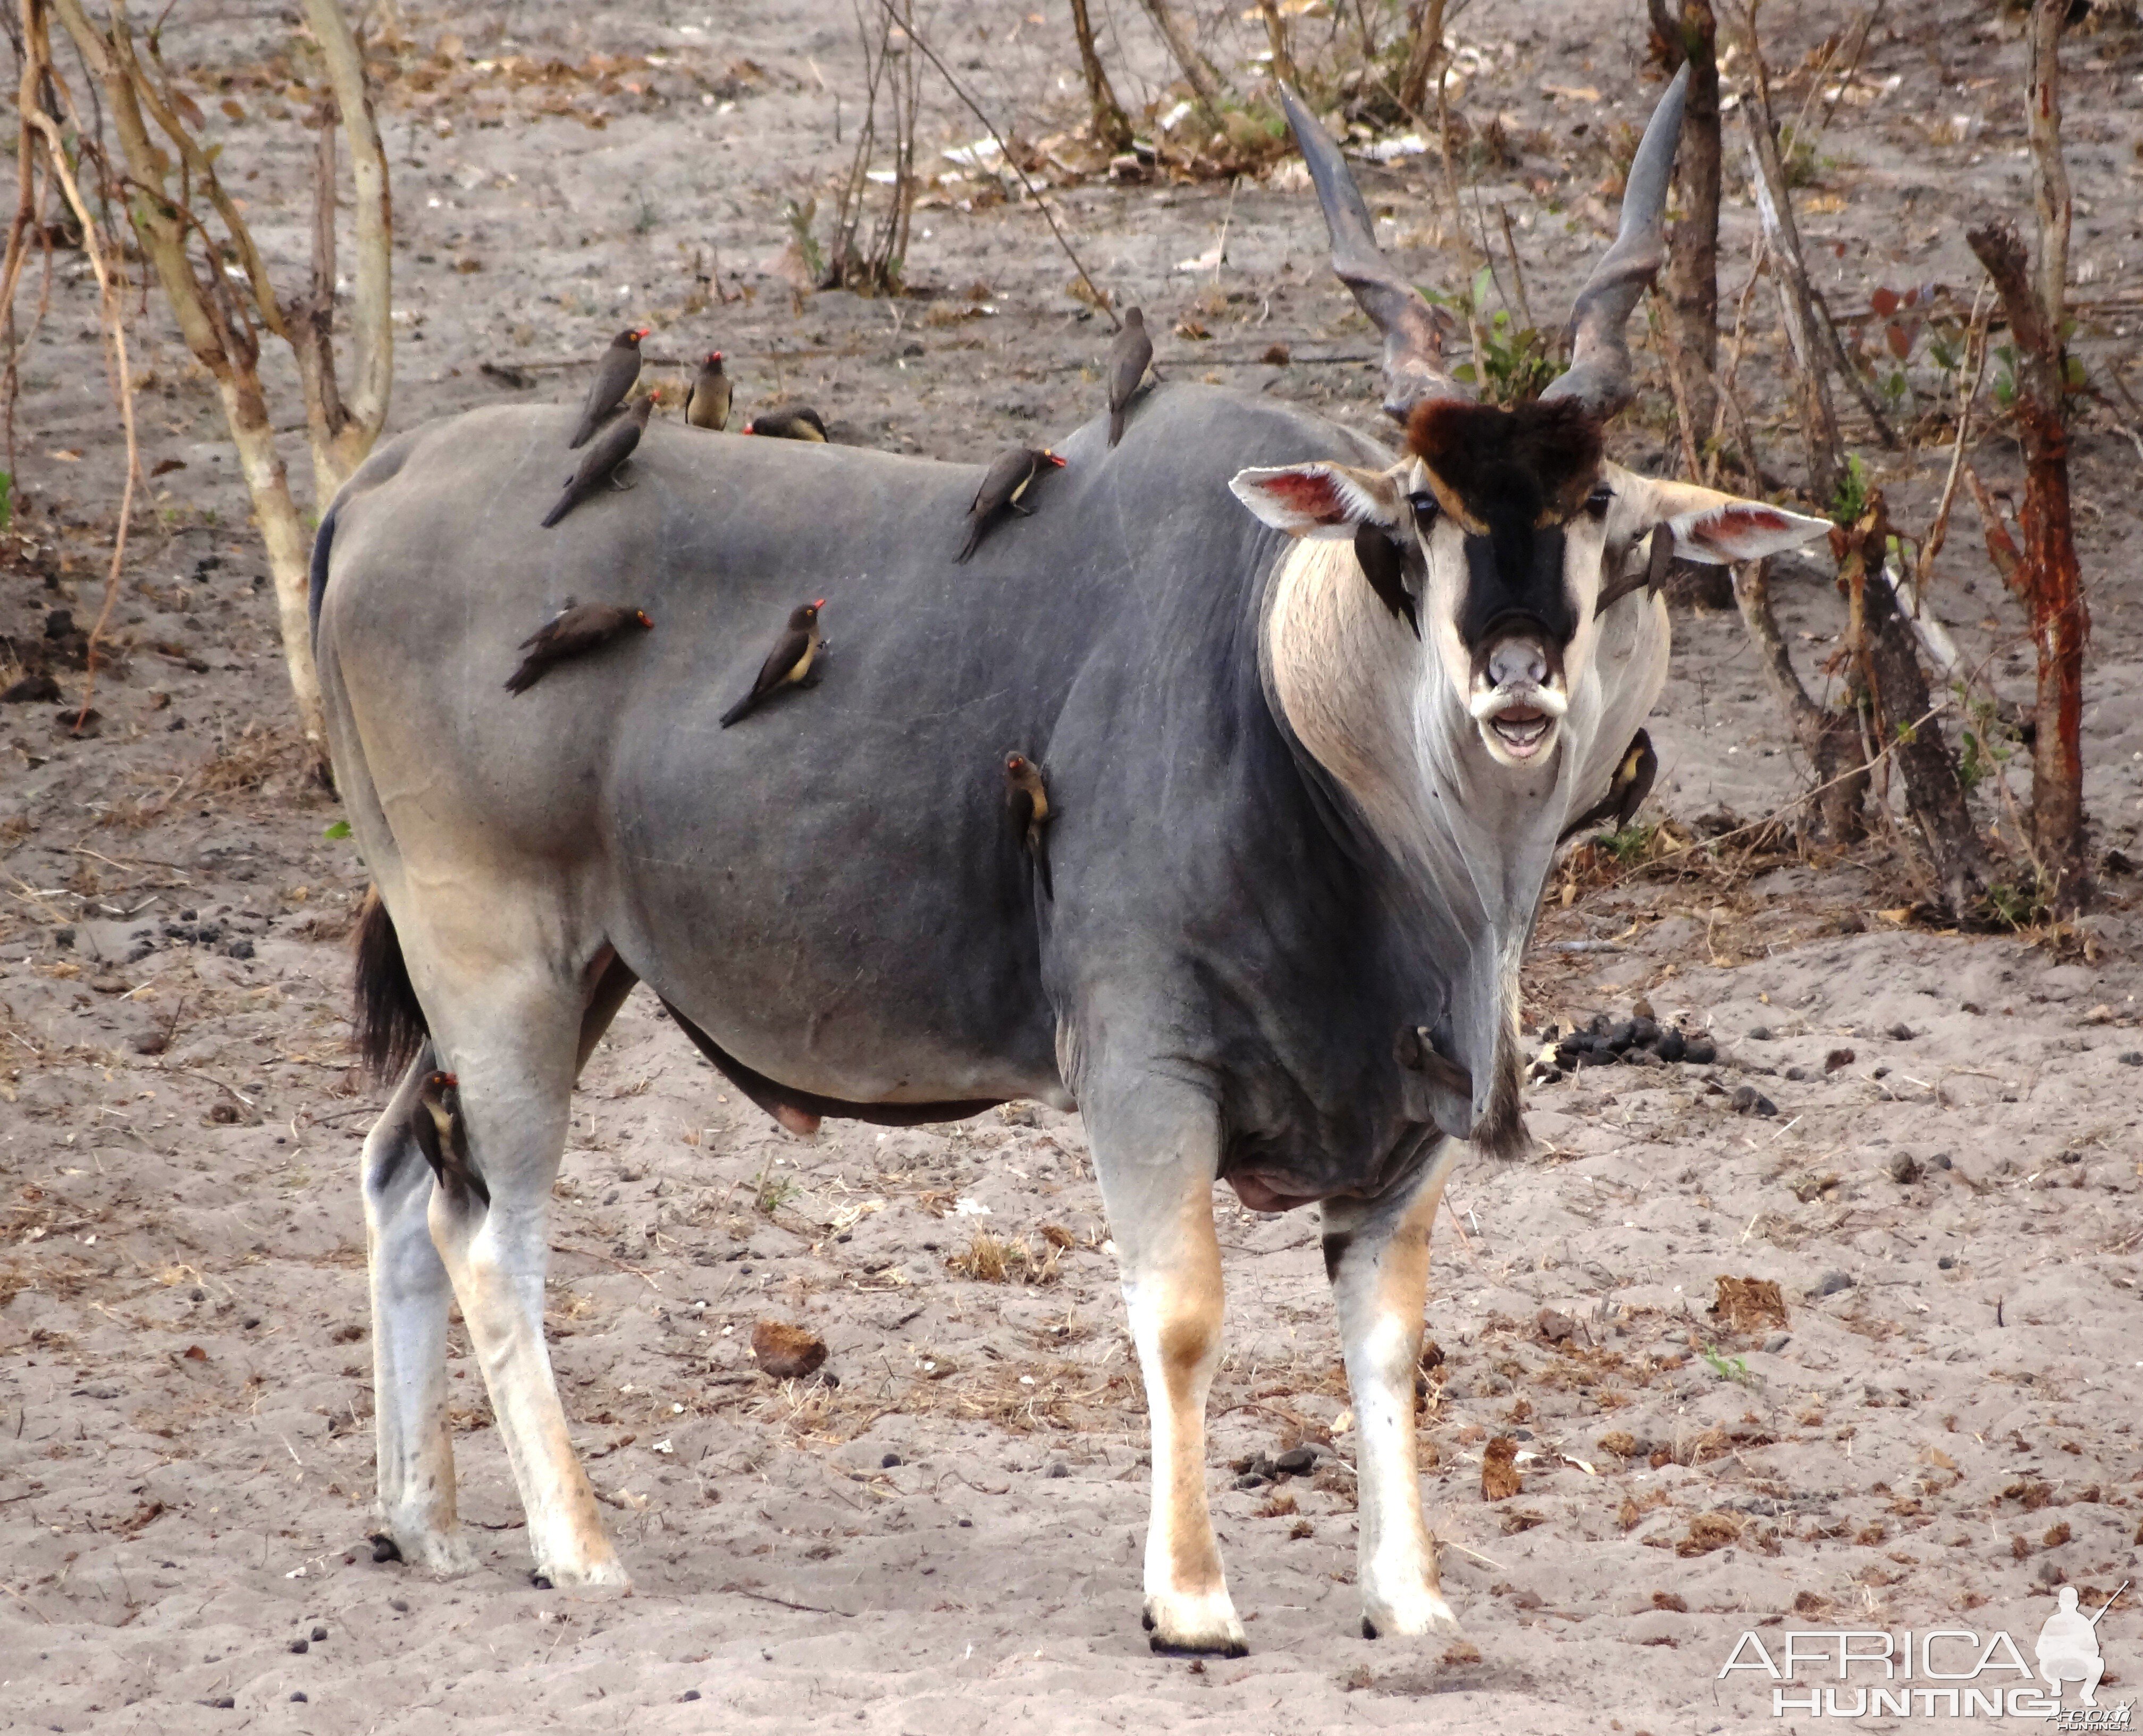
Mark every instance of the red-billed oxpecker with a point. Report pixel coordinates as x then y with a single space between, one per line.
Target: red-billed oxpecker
786 664
576 630
600 467
443 1136
615 374
707 407
1129 357
1026 805
1003 487
789 422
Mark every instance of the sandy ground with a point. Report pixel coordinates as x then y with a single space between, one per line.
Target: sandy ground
1940 1431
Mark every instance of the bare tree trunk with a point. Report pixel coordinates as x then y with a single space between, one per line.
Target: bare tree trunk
1831 740
1283 59
1902 721
1206 84
1112 128
1692 273
1424 55
217 316
1767 176
2046 577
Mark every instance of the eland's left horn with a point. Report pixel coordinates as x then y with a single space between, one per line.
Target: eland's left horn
1598 376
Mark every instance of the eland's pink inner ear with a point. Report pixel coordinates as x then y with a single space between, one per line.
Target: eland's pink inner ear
1725 527
1313 493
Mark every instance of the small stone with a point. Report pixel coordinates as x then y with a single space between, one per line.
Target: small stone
384 1547
1672 1045
1946 1264
320 1634
1058 1468
892 1461
2133 1058
1251 1480
1796 1074
1941 1161
1644 1033
1904 1167
1761 1034
1831 1283
1621 1036
300 1645
1748 1101
399 1606
1902 1032
1699 1051
1837 1058
1297 1461
298 1698
1778 1341
690 1693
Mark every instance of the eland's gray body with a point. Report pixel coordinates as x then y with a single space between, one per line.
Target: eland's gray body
1297 849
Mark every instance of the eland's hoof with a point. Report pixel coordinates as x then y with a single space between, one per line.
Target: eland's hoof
1186 1625
604 1573
443 1554
1410 1613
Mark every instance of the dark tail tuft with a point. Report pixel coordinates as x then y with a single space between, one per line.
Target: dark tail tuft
560 511
1116 426
973 542
390 1023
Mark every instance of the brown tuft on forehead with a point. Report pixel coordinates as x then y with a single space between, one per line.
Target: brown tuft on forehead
1534 463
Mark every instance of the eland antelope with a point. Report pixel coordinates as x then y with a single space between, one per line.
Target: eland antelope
1297 840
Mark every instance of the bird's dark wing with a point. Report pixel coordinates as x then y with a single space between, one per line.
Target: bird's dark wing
787 650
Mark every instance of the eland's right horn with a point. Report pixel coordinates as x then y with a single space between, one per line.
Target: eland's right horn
1414 343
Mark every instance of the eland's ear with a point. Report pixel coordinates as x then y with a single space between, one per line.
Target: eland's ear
1714 529
1319 499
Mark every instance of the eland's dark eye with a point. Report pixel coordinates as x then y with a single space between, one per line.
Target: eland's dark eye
1598 501
1424 507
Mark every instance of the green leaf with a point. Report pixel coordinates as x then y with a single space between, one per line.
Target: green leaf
340 828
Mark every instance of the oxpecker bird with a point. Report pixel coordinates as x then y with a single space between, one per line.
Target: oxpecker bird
787 421
787 664
603 458
709 405
442 1134
574 631
615 373
1129 358
1383 564
1027 803
1626 789
1010 475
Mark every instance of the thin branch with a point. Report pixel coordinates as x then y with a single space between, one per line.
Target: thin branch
1969 379
974 108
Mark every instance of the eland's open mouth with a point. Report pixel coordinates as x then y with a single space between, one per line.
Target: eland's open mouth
1521 729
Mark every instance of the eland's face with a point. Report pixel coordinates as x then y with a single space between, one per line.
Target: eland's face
1509 512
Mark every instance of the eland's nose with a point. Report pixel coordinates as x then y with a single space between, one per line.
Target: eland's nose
1517 660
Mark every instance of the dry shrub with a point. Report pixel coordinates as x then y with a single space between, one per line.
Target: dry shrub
257 753
1521 1519
1620 1442
1499 1472
994 1260
1707 1531
1280 1506
1810 1603
786 1351
1671 1601
1749 1304
1634 1508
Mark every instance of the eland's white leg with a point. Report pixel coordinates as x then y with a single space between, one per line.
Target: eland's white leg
1376 1255
1157 1160
409 1298
513 1042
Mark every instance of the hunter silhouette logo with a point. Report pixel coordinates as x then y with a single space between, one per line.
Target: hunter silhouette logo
1852 1672
2067 1650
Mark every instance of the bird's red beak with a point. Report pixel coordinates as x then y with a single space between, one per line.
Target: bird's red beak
820 604
1054 459
714 355
748 428
644 331
642 615
451 1080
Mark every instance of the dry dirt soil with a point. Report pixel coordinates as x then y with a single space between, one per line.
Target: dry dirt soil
1932 1422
